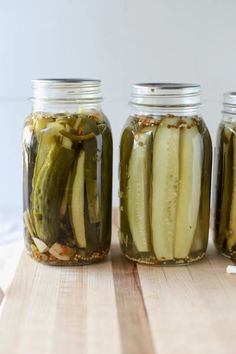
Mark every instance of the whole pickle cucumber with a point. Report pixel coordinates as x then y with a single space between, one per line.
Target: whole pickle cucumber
46 139
48 192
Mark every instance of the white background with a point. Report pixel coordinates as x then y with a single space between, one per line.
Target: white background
118 41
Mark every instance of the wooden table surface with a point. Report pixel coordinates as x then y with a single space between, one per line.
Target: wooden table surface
119 307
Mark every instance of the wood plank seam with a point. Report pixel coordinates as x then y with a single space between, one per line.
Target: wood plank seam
135 333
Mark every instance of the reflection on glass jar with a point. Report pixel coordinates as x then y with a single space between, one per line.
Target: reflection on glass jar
67 166
165 176
225 174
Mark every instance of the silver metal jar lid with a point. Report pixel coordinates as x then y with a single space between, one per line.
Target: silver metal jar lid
229 102
166 94
69 90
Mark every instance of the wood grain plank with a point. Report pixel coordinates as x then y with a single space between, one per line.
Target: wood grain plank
103 334
60 309
17 297
118 307
188 307
134 325
68 331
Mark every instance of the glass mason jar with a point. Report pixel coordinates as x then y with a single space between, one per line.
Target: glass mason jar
165 176
67 173
224 223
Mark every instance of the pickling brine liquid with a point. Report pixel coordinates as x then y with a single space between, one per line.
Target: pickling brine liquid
67 166
165 178
225 193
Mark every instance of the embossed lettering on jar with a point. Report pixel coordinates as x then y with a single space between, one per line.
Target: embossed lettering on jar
67 167
165 176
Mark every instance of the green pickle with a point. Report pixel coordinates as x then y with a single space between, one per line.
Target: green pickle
165 179
225 193
67 170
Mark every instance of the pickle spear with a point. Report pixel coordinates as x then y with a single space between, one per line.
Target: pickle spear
126 145
77 201
165 179
232 219
138 190
106 181
200 239
48 192
65 199
227 178
88 134
189 190
92 176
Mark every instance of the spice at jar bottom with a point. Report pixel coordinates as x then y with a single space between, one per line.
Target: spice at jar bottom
165 174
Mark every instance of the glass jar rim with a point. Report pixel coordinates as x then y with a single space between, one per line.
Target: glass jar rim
67 90
166 94
229 102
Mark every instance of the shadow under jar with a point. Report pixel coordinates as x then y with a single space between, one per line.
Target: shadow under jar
165 176
67 173
225 187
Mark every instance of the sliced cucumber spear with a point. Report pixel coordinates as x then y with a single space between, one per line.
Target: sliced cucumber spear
77 201
226 189
67 144
189 190
232 219
165 180
138 187
201 233
92 179
65 199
